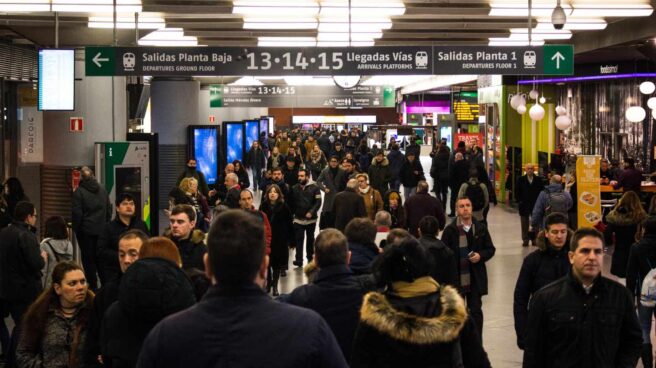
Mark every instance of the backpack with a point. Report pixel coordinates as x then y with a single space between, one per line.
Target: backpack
648 289
475 193
556 202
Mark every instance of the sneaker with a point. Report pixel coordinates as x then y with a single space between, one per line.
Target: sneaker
298 264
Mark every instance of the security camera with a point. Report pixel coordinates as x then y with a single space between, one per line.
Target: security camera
558 17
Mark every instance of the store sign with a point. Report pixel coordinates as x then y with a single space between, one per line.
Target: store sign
390 60
31 134
609 69
588 191
469 139
300 96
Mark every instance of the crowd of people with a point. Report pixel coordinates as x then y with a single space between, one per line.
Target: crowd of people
395 277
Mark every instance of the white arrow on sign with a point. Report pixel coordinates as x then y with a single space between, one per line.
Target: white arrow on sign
97 59
558 57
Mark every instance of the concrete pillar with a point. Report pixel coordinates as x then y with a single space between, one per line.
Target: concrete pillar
174 105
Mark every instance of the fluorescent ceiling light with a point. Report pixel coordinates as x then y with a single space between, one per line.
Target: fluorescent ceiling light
268 8
309 81
437 81
574 24
397 81
613 10
326 26
246 81
168 37
71 6
279 23
287 41
345 36
345 43
572 10
545 34
126 23
497 41
25 5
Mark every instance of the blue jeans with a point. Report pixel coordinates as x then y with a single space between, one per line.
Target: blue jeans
395 184
645 315
408 192
257 176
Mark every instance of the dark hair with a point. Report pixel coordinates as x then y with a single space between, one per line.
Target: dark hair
22 210
422 186
161 247
186 209
291 159
35 319
241 167
395 147
276 169
269 188
350 161
236 247
429 225
304 171
360 230
248 191
555 218
14 188
630 162
123 197
461 144
333 157
134 234
649 225
406 261
461 198
56 228
473 173
330 248
582 233
396 236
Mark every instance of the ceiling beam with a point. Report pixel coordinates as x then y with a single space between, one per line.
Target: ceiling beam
628 30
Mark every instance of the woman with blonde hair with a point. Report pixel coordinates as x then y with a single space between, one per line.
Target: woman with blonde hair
54 329
621 229
197 200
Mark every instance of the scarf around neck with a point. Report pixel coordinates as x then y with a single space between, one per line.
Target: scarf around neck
421 286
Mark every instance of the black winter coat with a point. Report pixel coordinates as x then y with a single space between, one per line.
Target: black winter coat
20 263
396 161
398 214
282 232
232 198
347 206
480 242
527 193
642 258
539 269
336 294
291 176
191 249
622 227
285 336
108 244
151 289
105 297
255 159
91 209
440 168
324 144
380 175
362 257
305 199
333 183
408 177
416 332
569 328
444 268
420 205
459 174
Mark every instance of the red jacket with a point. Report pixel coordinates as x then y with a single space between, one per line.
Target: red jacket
267 227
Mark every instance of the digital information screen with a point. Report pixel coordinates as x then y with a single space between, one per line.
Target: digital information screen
56 79
465 107
234 142
264 127
252 132
205 152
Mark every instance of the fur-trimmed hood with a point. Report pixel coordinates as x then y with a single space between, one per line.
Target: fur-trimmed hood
197 236
622 217
385 162
541 240
379 314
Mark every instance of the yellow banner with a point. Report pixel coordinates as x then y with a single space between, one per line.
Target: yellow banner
588 190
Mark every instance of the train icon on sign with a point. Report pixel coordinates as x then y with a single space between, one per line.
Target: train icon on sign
530 59
129 60
421 60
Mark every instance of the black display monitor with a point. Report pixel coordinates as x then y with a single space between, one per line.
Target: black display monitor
203 145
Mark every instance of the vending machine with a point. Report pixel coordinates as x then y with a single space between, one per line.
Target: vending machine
124 167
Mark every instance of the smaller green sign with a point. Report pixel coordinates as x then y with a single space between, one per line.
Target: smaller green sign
558 59
216 95
99 61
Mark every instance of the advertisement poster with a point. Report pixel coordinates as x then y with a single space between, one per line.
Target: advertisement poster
205 152
588 191
469 139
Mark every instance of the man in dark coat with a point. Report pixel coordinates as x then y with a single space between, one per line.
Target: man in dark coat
396 161
324 144
444 270
331 182
458 175
335 293
338 151
278 178
379 173
630 178
124 220
305 202
583 319
233 190
440 173
527 190
21 261
192 172
290 171
219 330
218 194
361 235
188 239
472 244
540 268
420 205
348 205
256 161
411 173
91 210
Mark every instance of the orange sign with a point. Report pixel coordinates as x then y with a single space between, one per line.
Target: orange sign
588 191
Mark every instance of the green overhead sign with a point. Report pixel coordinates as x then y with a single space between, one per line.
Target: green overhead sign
99 61
558 59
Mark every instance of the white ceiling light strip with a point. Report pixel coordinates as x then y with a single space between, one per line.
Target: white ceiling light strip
574 24
574 9
126 22
286 41
71 6
246 81
437 81
168 37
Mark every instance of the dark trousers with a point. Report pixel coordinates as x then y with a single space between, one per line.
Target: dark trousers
395 184
454 194
88 250
525 223
17 311
475 306
304 232
441 192
257 176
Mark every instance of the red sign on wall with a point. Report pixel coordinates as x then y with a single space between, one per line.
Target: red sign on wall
76 175
77 125
212 118
470 139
